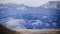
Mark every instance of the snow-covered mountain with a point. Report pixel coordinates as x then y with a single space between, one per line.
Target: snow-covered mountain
52 4
45 16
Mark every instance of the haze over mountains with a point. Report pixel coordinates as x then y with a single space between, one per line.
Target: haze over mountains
45 16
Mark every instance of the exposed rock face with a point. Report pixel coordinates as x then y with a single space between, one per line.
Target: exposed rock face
5 30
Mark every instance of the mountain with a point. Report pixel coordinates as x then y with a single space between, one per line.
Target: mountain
52 4
45 16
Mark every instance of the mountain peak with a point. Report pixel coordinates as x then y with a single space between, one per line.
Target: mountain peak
52 4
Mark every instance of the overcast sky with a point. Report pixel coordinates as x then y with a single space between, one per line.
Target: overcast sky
32 3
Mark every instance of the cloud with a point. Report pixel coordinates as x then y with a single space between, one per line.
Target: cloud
32 3
15 24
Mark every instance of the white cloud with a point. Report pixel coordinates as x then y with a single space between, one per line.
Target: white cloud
15 24
32 3
15 21
37 22
21 8
44 17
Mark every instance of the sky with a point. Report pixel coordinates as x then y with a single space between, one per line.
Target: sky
32 3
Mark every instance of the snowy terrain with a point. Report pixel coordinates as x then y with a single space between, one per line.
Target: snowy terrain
24 17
